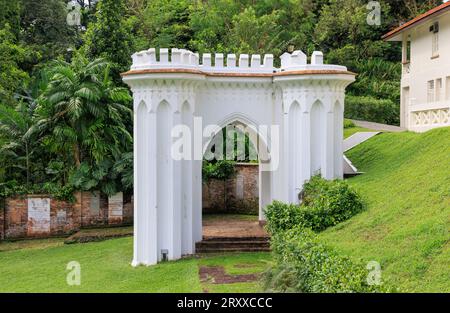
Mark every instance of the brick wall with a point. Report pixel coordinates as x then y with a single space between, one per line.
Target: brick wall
16 217
34 216
94 209
238 194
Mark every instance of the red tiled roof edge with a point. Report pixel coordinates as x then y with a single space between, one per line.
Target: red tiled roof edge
417 19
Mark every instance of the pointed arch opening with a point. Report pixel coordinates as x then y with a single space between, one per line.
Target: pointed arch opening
243 192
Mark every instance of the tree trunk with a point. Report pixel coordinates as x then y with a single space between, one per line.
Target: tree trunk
27 158
76 155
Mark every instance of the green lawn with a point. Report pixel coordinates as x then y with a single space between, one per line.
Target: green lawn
105 267
406 226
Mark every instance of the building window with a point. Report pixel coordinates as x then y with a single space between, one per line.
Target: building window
406 51
434 29
430 91
438 87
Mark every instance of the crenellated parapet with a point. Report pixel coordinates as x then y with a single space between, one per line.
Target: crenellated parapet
185 59
158 60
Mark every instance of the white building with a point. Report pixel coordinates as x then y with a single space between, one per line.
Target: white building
425 83
295 119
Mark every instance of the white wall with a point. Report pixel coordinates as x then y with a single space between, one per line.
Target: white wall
423 67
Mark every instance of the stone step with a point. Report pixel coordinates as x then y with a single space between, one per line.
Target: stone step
233 244
224 239
223 250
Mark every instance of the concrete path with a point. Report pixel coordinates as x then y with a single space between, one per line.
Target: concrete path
357 138
378 126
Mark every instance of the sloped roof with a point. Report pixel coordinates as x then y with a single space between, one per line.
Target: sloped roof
439 9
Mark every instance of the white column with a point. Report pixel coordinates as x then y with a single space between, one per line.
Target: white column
175 193
265 178
145 226
187 200
288 156
338 140
328 140
197 201
197 132
306 143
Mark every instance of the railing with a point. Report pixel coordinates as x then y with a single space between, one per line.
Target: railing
430 115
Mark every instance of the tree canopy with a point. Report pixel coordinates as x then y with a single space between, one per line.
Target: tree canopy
65 115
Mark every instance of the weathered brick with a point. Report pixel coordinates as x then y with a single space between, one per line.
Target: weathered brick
88 210
238 194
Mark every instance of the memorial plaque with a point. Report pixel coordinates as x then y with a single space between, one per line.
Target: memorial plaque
94 204
38 215
115 205
61 217
240 187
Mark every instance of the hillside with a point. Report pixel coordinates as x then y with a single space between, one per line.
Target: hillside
406 226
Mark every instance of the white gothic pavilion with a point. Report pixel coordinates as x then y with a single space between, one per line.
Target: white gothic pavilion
304 101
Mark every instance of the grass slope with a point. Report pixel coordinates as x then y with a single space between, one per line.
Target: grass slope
105 267
352 130
406 226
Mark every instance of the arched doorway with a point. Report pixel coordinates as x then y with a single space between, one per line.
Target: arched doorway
234 187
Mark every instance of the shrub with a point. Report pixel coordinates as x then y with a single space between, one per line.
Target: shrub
56 191
372 109
282 216
303 264
221 170
349 123
325 203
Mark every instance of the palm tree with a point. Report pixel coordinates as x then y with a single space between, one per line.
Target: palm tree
83 115
16 147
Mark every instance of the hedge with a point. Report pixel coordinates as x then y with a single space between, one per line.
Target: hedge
371 109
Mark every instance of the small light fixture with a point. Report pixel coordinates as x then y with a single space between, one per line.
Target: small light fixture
164 254
291 48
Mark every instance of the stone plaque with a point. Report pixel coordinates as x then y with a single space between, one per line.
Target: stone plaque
61 217
115 205
240 187
94 205
38 215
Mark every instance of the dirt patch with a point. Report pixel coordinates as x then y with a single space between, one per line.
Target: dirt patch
217 275
99 234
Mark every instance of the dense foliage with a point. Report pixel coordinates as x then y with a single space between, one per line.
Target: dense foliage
372 109
325 204
301 262
65 117
221 170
